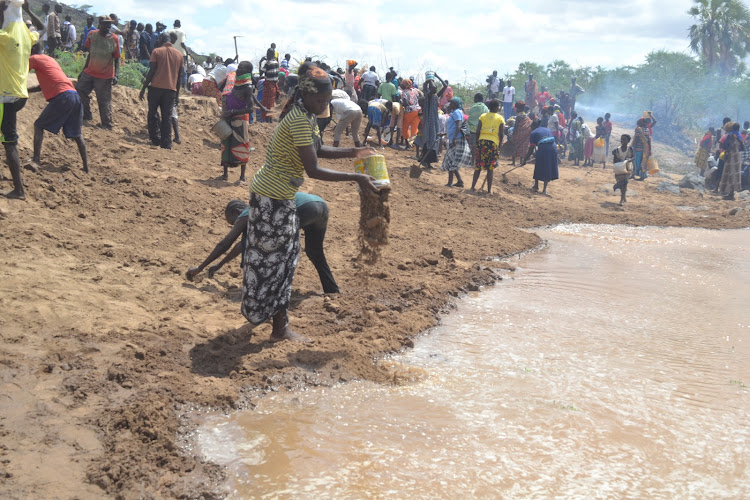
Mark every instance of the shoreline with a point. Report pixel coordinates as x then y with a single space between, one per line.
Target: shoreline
104 343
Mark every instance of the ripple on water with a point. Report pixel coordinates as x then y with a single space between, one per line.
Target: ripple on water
613 365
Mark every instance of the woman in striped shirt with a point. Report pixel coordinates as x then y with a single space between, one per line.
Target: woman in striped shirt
272 250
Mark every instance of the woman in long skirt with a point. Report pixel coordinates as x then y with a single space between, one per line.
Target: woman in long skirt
237 106
731 180
272 249
521 132
576 138
545 165
458 154
704 151
430 121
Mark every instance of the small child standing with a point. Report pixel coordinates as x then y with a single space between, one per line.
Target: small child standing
623 154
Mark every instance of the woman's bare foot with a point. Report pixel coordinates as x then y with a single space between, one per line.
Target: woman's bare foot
15 195
287 333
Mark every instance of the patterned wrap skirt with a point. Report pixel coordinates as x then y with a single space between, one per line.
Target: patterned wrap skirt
211 90
235 149
731 180
270 93
457 156
271 257
701 159
487 155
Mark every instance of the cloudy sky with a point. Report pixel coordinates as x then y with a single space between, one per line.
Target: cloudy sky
415 35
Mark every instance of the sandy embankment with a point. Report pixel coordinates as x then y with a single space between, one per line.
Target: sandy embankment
104 345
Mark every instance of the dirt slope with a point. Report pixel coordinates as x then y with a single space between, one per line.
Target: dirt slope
104 346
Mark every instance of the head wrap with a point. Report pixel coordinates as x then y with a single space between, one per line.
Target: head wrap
315 80
458 102
351 62
242 80
405 83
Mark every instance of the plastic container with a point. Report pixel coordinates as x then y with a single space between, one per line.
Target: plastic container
622 167
653 166
222 129
375 166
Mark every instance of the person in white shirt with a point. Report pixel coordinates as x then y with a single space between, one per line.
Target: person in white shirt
509 97
69 28
493 87
347 113
369 84
181 45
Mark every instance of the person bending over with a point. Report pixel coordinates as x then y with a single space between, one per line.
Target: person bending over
312 212
64 108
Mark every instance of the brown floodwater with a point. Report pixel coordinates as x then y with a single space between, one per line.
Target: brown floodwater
614 363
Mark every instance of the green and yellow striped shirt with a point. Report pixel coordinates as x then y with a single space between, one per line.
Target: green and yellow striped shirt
281 175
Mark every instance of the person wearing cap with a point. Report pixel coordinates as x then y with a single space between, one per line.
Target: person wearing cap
15 48
162 80
100 71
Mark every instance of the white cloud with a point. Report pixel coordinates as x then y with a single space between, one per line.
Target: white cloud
458 40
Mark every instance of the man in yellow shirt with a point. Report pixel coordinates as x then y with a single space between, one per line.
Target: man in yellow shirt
15 48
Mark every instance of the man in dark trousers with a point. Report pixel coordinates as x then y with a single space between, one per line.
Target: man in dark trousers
64 109
100 71
165 69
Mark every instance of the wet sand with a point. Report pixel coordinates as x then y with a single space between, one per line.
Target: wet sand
104 345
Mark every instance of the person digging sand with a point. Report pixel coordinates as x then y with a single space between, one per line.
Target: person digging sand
312 212
545 165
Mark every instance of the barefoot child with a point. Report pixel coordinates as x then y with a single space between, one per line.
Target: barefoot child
237 107
623 154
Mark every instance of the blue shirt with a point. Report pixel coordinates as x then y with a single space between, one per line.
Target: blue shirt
455 119
541 135
86 31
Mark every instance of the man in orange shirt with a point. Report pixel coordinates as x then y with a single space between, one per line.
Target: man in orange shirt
64 109
164 73
100 72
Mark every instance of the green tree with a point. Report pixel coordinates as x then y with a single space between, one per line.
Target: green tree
721 34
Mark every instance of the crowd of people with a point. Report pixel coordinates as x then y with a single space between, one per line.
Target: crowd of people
726 168
428 120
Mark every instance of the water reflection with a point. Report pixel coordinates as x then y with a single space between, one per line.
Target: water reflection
614 365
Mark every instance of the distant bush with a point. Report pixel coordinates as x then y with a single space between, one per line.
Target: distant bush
71 64
131 73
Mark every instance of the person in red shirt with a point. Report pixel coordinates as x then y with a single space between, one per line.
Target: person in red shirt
100 72
64 109
542 97
165 70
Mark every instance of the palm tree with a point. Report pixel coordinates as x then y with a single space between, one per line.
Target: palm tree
721 35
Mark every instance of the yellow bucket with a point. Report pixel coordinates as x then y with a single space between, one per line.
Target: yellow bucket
375 166
653 166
